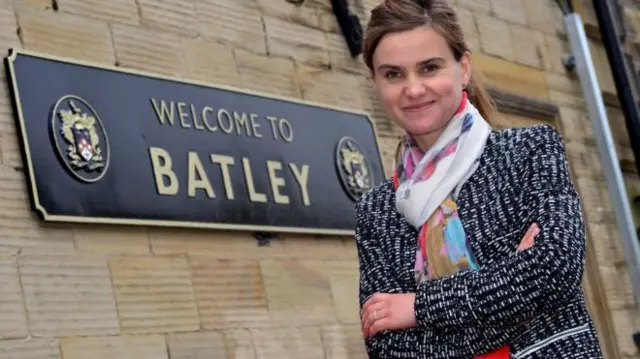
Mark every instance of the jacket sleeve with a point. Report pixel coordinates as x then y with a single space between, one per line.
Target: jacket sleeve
375 277
528 282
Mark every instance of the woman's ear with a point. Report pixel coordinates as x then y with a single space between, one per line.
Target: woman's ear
371 77
466 66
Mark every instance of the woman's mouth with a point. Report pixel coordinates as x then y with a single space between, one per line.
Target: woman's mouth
418 107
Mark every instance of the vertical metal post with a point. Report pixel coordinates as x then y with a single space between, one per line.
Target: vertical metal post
606 147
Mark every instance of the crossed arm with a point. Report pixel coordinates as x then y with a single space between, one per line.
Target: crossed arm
505 293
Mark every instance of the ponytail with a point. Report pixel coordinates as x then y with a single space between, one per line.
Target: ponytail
481 99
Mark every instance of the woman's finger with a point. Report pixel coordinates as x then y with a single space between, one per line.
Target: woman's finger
378 297
377 312
379 325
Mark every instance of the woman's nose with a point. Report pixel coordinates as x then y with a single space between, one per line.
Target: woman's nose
414 87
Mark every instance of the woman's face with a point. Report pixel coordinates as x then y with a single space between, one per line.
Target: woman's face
419 81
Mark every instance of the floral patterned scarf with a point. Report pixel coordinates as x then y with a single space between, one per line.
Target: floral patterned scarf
427 185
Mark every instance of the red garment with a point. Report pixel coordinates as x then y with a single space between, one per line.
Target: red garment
502 353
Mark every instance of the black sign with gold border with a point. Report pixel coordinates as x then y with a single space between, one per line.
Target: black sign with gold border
109 145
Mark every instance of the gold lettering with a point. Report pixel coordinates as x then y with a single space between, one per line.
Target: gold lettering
163 111
248 176
302 177
194 116
224 113
255 125
162 170
198 177
276 182
212 128
182 113
225 162
274 131
241 121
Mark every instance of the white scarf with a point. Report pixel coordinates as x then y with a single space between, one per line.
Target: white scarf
417 198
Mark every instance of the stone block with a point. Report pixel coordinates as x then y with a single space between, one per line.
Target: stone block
111 239
584 160
236 22
343 342
30 349
201 345
267 74
65 35
288 342
567 99
330 87
554 51
601 65
154 295
10 155
341 58
148 50
68 296
13 316
320 4
119 11
41 4
576 124
618 126
512 77
175 16
210 62
298 292
328 22
123 347
607 245
595 201
309 45
477 6
344 281
8 29
468 24
510 10
494 34
528 45
20 229
313 247
625 322
239 344
221 244
544 15
229 293
304 14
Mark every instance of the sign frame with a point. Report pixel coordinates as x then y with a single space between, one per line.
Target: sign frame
29 170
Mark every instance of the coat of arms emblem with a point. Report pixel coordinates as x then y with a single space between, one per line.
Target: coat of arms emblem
353 168
83 138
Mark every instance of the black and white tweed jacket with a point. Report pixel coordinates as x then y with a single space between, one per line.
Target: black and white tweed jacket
531 301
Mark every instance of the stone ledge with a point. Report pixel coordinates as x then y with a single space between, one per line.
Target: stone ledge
512 103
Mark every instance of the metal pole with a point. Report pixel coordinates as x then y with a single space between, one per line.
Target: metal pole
606 147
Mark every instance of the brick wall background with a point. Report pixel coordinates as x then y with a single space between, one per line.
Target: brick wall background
73 291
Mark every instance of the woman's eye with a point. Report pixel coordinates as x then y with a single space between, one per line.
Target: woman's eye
392 74
430 68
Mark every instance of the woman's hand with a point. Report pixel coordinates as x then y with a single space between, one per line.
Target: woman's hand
528 240
388 312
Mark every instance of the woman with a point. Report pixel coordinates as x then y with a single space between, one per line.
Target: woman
476 246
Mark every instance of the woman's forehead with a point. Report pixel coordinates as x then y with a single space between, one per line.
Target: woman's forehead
410 47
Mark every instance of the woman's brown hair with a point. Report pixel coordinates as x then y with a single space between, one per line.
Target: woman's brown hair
404 15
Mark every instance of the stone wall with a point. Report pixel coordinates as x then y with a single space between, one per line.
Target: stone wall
80 291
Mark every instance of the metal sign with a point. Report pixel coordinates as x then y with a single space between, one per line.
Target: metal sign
108 145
